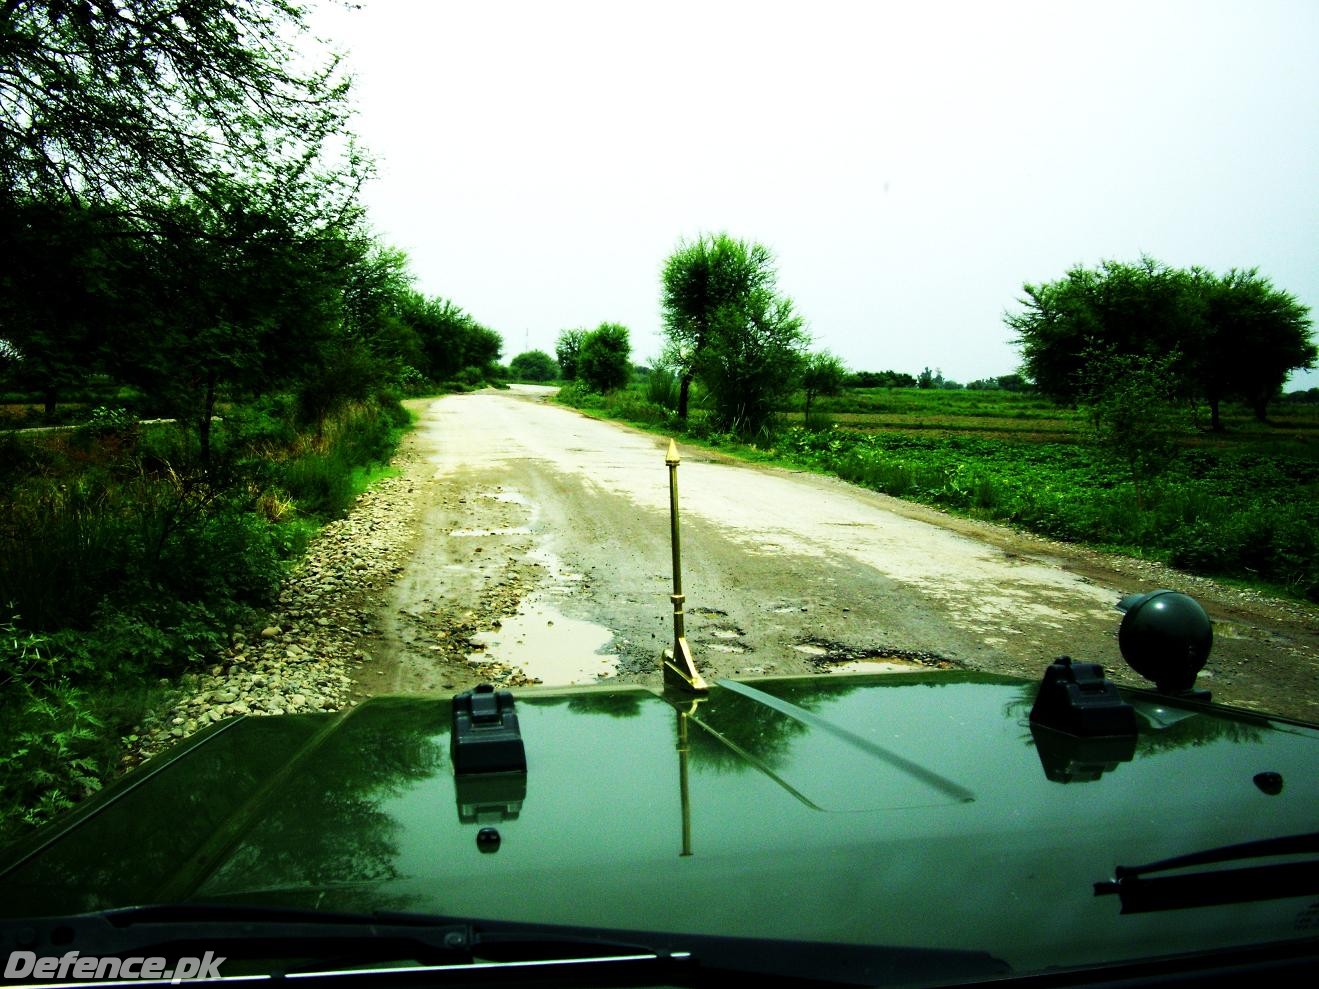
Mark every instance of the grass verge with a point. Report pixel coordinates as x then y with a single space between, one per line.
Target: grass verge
125 561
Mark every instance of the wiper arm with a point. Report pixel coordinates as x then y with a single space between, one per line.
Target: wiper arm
1221 886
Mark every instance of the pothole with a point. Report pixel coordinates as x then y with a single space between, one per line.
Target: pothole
836 657
548 646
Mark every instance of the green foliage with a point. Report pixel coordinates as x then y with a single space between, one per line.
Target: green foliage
702 279
823 374
138 100
567 351
1234 335
534 365
1134 413
127 566
345 373
604 362
58 742
726 325
1233 513
47 760
320 479
880 379
663 388
753 361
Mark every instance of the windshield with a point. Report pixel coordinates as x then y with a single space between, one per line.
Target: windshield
761 398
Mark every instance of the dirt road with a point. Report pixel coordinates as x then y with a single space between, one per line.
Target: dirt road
541 553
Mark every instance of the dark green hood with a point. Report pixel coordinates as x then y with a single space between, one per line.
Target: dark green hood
917 810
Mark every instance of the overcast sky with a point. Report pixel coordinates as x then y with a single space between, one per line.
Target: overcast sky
909 164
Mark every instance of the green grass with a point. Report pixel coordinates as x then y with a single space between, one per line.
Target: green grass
1242 505
125 560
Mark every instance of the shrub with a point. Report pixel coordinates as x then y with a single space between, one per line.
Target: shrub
604 362
662 388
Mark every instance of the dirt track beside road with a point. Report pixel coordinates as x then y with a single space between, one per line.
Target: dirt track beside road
539 552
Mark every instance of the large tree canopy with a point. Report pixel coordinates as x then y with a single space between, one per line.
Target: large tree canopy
700 278
1229 336
726 324
129 101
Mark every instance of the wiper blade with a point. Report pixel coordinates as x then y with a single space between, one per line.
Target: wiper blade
1139 894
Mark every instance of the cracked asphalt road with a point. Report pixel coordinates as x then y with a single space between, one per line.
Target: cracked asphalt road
541 554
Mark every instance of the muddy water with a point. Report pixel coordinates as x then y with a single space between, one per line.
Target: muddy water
546 644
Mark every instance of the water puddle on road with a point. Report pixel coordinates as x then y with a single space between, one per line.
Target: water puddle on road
546 644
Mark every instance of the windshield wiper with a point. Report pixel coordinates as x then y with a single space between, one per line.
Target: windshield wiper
293 943
1217 887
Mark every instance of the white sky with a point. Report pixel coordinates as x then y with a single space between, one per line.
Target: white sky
909 164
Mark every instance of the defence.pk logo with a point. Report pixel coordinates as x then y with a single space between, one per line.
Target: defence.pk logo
71 964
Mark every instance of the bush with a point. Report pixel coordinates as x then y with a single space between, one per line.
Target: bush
534 365
662 387
604 362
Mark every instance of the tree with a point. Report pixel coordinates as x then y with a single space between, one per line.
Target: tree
1134 413
66 283
138 101
753 358
534 365
605 361
700 279
1229 336
451 339
1255 335
568 349
232 294
823 374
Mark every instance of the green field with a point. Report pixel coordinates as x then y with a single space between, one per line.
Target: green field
1243 504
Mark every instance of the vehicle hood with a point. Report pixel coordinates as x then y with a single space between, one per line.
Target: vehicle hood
917 810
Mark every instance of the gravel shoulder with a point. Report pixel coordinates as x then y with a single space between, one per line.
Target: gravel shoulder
522 543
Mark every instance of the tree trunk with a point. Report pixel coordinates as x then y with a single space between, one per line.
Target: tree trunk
1261 406
50 395
684 388
1215 423
204 427
806 416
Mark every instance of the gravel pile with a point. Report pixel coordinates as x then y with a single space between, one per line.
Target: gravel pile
301 657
